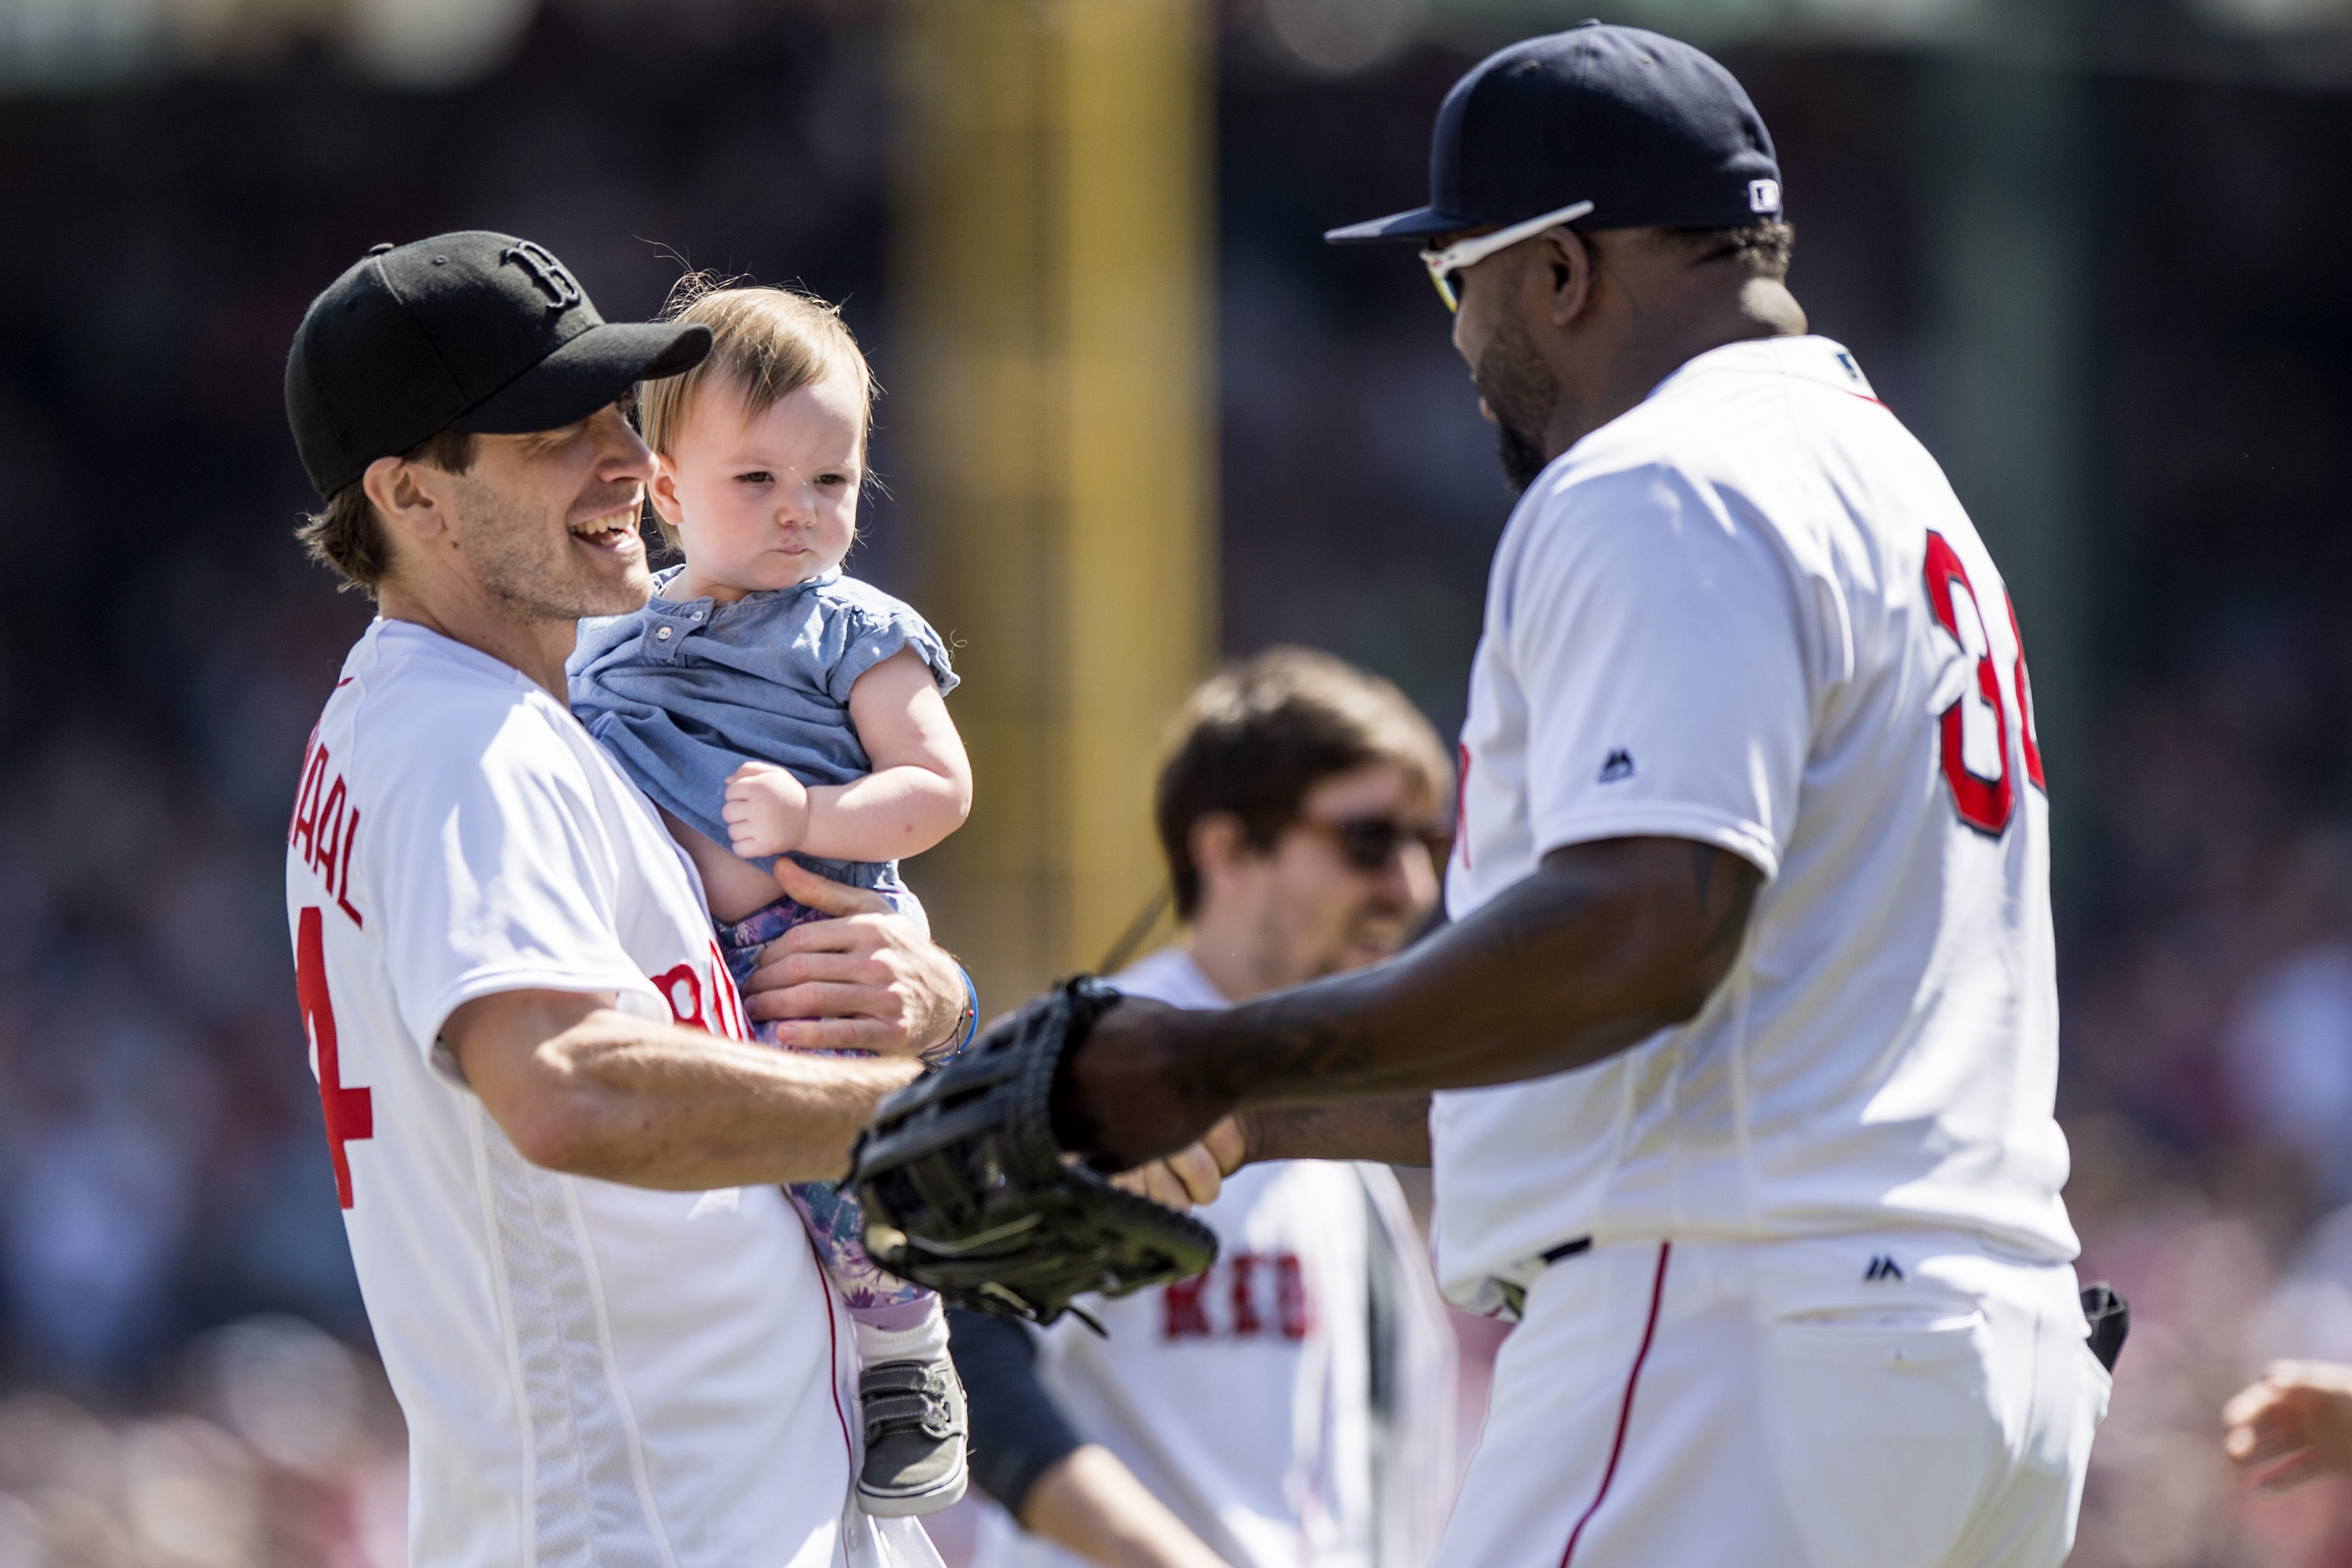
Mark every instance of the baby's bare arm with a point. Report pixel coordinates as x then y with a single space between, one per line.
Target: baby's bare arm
920 788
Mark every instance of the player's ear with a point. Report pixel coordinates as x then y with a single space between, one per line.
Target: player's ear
1564 262
664 490
1220 843
405 498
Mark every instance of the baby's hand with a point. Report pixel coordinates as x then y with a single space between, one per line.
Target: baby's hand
767 811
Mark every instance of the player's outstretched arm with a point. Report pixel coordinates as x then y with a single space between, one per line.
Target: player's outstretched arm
1391 1131
582 1088
1604 944
2292 1427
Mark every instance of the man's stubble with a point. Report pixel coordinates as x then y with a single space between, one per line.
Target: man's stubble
1520 392
526 562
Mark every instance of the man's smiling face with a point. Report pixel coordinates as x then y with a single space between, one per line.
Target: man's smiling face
549 521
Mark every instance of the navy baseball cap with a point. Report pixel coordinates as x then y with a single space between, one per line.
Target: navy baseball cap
472 331
1647 128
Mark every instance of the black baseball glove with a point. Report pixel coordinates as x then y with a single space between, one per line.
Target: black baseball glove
965 1191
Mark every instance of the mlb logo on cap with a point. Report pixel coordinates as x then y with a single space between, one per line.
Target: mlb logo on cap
1764 196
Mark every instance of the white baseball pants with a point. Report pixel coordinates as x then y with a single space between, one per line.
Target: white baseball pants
1899 1400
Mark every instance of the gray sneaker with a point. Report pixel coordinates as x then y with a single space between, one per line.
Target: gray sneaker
914 1437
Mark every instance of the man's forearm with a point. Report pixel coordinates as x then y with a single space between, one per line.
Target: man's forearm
592 1092
733 1116
1605 944
1390 1132
1560 970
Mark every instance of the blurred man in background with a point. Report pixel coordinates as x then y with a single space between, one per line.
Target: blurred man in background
1295 1403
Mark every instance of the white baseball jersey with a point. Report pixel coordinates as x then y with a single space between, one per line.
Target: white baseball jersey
1242 1397
593 1374
1749 612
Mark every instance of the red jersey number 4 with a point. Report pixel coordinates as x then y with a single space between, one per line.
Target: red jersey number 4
350 1113
1986 802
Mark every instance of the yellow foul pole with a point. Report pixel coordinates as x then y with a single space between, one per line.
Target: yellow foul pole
1049 426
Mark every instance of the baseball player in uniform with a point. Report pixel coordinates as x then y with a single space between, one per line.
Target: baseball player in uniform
1295 1403
557 1152
1745 1033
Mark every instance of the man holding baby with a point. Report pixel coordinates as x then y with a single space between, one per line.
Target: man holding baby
561 1130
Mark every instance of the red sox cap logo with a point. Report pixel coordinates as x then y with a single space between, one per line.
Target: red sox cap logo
563 289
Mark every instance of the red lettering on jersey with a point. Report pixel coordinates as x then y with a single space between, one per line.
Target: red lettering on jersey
1246 1321
728 1002
1183 1314
715 1010
306 803
350 1113
326 826
1293 1309
301 783
1462 805
681 987
342 884
330 832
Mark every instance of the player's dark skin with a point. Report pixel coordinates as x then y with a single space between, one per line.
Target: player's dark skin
1606 942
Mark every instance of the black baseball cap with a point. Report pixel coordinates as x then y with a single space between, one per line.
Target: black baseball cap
472 331
1644 127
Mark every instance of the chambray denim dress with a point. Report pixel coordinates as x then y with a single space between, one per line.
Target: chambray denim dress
682 692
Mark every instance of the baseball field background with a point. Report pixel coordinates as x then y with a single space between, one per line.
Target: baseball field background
1136 416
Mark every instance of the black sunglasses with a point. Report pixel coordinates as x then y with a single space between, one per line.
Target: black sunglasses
1370 843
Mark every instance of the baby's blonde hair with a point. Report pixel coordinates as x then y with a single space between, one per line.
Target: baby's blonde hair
765 345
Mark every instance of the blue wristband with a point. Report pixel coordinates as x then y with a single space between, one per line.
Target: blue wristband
972 1024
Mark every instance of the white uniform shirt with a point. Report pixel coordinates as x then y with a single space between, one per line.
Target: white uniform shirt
1241 1398
1750 612
592 1373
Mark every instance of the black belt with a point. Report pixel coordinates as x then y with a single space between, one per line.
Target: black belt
1568 1250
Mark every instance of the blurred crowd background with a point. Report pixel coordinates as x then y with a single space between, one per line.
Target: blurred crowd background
2094 251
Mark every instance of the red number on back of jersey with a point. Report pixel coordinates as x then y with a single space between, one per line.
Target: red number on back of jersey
350 1113
1985 801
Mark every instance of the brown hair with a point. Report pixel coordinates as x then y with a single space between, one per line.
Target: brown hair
348 536
765 345
1259 735
1760 249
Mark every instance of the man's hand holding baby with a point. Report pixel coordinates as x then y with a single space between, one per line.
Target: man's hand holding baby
865 980
766 811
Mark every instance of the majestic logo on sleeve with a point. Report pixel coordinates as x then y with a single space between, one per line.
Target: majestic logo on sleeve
1618 768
